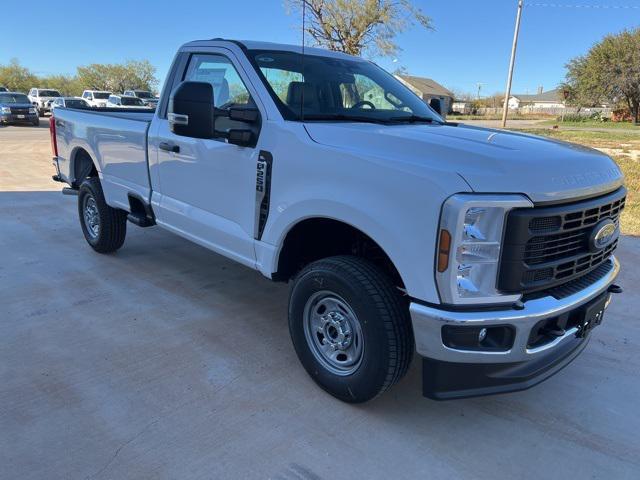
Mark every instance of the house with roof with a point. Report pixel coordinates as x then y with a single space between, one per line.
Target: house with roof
427 89
541 100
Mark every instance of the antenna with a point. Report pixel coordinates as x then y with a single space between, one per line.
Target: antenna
304 17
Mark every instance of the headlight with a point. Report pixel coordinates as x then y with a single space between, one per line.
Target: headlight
469 244
5 109
32 110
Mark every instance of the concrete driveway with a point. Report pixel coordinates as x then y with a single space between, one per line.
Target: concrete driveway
165 361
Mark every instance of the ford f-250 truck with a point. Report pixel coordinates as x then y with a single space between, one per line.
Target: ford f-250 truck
488 252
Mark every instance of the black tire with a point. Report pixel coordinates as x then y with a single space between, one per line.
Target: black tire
36 122
112 222
383 318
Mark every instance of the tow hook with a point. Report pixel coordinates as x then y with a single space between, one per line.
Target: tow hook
613 288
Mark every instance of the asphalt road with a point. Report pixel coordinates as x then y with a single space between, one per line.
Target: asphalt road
165 361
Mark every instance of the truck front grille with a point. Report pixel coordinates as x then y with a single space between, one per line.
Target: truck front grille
547 246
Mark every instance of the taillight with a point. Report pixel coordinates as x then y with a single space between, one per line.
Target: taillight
52 131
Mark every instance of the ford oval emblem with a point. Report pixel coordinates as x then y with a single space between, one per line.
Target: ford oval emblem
603 235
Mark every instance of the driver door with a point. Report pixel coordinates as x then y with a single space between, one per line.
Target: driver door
207 187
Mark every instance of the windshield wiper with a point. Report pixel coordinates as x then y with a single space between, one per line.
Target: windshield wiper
345 118
414 119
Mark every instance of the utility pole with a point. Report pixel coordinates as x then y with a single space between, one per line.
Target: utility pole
505 108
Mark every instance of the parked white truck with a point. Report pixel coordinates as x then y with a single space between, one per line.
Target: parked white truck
488 252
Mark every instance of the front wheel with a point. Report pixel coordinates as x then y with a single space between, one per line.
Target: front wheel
350 327
103 227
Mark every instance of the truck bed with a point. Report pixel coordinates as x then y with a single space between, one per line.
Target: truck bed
116 139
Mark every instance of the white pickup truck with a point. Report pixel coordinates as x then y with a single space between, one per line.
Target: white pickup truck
488 252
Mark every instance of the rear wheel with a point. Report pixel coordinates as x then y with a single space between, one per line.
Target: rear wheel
350 327
103 227
36 122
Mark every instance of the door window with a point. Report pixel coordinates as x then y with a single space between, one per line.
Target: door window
228 87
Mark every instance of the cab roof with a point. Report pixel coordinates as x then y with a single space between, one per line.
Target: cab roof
258 45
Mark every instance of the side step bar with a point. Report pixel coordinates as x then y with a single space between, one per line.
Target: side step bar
140 220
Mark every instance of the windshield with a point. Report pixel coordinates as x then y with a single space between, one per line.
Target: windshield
101 95
338 89
131 101
49 93
141 94
76 103
14 98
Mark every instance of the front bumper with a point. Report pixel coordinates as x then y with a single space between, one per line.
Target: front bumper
455 373
13 118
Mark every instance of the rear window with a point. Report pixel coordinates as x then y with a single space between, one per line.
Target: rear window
101 95
76 103
49 93
141 94
131 101
13 98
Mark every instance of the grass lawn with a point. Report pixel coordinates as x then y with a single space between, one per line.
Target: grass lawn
624 148
592 124
550 118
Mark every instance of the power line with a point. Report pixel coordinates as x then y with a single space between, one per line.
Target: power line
585 6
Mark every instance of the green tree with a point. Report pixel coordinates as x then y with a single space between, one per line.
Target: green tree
16 77
118 77
359 26
67 85
610 71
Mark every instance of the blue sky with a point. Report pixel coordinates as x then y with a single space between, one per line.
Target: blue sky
470 44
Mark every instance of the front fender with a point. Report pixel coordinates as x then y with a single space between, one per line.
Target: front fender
413 261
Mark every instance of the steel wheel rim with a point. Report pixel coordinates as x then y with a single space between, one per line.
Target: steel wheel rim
333 333
91 216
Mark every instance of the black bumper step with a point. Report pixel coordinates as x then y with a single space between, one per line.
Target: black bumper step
140 220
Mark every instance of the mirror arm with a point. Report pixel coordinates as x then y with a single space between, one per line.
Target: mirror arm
243 138
239 114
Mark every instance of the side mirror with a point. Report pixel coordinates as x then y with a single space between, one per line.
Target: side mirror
191 110
436 105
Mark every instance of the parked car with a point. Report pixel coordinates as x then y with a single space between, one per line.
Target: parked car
17 108
41 98
489 252
4 89
123 101
69 102
147 97
96 98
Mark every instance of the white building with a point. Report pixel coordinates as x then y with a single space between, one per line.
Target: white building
542 100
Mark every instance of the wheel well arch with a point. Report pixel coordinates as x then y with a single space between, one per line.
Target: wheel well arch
319 237
83 166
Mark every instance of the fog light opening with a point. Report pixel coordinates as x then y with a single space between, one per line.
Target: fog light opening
494 338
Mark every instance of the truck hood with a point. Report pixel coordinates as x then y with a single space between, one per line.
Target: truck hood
16 105
489 160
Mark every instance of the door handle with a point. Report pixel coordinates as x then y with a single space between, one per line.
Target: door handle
169 147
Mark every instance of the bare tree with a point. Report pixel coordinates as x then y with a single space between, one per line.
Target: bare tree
359 26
